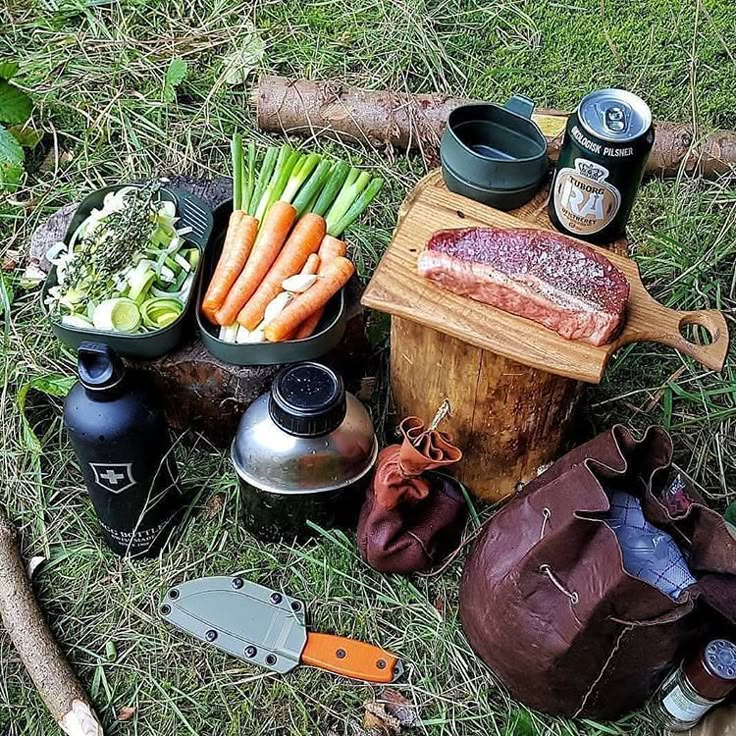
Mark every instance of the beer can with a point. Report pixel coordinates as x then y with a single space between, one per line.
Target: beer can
604 152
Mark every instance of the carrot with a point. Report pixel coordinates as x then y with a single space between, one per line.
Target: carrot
304 240
311 266
241 233
336 274
329 249
306 328
271 237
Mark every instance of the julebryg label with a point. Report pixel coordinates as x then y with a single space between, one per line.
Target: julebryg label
584 201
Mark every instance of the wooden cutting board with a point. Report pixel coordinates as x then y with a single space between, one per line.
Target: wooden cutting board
397 288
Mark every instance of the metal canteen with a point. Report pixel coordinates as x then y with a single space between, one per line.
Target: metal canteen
303 453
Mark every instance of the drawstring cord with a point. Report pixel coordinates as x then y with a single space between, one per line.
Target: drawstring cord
547 514
572 595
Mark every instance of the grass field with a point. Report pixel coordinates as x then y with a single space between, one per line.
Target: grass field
96 72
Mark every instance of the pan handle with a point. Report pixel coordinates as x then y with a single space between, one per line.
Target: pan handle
664 326
520 105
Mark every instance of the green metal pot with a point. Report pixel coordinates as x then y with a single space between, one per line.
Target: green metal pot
192 212
328 334
495 155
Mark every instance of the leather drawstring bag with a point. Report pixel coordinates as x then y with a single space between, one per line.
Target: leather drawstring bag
412 518
546 602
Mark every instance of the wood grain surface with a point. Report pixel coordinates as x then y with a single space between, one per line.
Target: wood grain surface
509 419
397 288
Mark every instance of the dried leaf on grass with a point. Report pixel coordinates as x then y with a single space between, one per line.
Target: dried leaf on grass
214 506
389 714
440 604
126 713
399 707
10 263
245 58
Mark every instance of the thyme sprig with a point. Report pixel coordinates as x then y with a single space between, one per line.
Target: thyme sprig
112 245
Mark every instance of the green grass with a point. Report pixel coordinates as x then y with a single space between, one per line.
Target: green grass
97 72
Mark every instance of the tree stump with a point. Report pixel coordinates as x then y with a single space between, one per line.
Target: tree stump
509 419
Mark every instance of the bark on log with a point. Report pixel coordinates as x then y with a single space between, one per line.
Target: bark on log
383 117
23 620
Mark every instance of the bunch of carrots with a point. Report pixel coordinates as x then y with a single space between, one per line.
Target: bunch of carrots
283 258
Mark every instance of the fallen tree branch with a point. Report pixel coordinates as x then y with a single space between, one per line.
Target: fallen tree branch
53 677
408 121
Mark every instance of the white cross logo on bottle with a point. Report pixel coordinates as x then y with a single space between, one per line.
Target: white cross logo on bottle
113 477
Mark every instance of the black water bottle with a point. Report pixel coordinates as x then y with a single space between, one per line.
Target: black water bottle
124 450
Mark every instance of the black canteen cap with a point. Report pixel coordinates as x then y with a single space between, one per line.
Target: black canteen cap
307 400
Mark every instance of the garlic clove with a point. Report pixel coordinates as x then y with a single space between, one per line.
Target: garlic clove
299 282
276 306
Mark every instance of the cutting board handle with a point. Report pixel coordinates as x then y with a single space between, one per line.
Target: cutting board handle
666 325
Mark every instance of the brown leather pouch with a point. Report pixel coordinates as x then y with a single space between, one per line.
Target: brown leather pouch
546 602
411 517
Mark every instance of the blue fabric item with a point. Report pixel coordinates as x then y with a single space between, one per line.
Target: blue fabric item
648 553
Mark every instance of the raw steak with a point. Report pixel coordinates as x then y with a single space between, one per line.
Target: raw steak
537 274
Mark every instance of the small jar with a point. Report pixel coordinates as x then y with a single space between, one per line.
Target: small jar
697 685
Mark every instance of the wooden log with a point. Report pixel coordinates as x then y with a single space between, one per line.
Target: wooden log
509 419
24 621
406 121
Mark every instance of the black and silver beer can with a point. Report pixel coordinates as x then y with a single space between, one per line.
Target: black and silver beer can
601 164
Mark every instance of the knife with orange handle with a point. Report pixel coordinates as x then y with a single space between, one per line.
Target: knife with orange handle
268 628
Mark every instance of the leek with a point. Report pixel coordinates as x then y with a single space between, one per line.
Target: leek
356 209
354 185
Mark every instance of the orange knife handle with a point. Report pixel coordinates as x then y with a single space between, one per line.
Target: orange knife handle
350 658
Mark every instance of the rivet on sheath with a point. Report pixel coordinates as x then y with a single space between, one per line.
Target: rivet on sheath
165 610
276 598
381 664
251 651
210 635
173 594
237 583
341 653
295 606
271 659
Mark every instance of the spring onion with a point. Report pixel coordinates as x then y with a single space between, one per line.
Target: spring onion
264 175
351 190
301 172
355 210
282 160
337 178
311 189
237 155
